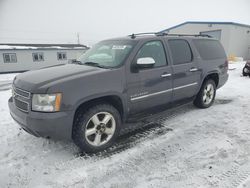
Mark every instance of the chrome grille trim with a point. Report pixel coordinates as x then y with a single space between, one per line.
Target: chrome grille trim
28 105
18 89
18 95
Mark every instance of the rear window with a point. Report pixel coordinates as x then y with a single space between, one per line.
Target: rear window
181 52
209 49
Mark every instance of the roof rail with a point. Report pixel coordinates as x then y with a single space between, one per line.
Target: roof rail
188 35
133 36
138 34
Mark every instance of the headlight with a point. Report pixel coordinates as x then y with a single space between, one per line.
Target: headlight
46 102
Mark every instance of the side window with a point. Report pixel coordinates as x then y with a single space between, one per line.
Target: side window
181 52
209 49
9 58
38 57
61 56
155 50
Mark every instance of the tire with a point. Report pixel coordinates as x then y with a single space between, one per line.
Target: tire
245 73
205 98
96 128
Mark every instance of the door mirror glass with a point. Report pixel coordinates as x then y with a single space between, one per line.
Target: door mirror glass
145 62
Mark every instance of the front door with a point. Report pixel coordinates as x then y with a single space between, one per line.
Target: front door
152 86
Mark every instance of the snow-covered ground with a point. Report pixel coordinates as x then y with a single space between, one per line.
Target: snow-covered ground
187 147
7 77
6 81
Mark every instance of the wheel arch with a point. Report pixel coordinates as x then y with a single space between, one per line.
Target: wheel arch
211 75
112 99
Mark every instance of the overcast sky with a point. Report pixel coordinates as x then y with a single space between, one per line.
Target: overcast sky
58 21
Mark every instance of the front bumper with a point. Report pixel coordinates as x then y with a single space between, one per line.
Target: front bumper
56 125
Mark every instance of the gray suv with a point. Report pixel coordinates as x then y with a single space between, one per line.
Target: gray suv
92 98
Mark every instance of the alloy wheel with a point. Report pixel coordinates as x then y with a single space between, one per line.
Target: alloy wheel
100 129
208 94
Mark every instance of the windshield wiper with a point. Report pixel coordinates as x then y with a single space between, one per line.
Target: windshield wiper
93 64
76 62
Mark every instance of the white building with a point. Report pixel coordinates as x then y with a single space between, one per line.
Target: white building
234 37
23 57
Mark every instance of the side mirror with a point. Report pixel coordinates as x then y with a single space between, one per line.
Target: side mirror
145 62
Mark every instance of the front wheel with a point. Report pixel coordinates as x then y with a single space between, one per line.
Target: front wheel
206 95
96 128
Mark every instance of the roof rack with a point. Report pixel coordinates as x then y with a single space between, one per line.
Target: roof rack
188 35
133 36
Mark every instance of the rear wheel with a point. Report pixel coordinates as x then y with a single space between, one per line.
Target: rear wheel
206 95
96 128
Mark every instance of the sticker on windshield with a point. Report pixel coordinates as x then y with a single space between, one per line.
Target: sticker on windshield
119 47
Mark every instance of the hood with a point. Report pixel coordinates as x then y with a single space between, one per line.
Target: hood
35 80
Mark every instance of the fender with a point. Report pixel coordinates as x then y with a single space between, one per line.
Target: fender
205 76
100 95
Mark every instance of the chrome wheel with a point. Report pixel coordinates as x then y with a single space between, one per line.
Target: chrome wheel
208 94
100 129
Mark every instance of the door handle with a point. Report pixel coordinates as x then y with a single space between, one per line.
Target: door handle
164 75
193 70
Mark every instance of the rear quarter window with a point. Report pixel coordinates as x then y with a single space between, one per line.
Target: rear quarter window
209 49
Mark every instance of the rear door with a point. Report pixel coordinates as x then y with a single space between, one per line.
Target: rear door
186 74
149 87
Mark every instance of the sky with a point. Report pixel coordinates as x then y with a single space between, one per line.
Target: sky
59 21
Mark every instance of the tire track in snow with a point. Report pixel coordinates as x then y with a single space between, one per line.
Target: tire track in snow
245 183
176 145
130 137
221 179
153 127
241 177
236 176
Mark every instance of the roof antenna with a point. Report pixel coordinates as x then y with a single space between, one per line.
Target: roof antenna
133 36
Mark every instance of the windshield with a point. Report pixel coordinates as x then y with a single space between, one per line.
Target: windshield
107 54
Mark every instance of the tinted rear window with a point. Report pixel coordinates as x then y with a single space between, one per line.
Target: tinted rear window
181 52
209 49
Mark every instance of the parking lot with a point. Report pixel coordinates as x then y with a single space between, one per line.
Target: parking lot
181 147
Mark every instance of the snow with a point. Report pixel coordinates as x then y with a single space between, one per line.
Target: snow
187 147
6 81
8 47
11 47
7 77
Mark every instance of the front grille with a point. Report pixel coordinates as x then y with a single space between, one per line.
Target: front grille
21 99
21 105
22 93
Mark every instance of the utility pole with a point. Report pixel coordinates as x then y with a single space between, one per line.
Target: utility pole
78 38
